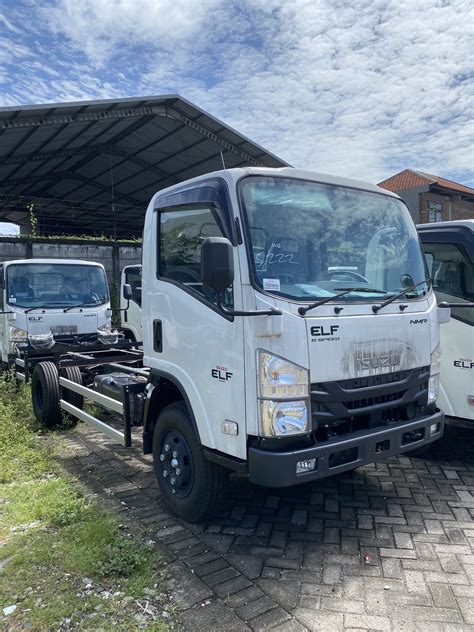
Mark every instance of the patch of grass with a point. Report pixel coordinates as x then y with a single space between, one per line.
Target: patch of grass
65 562
22 454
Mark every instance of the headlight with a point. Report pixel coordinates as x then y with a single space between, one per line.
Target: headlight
284 418
283 389
280 379
18 335
435 368
106 327
42 341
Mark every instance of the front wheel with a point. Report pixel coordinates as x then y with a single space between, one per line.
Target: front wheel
191 485
45 394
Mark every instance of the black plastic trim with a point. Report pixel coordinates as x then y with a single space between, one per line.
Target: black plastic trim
154 379
337 396
213 192
278 469
227 461
430 234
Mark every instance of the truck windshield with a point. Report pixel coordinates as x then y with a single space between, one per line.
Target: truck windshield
55 285
309 239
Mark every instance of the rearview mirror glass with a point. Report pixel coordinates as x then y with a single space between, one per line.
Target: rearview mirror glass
217 263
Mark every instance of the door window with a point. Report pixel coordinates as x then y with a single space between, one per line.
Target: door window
452 272
182 232
133 276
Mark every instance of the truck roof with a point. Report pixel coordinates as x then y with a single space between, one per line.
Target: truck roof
232 176
467 223
53 261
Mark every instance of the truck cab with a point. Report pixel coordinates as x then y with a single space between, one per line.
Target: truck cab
131 309
322 351
47 303
290 333
449 251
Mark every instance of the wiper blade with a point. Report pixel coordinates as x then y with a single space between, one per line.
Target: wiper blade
377 308
49 305
368 290
80 305
345 290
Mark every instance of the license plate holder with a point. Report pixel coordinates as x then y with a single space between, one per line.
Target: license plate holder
64 330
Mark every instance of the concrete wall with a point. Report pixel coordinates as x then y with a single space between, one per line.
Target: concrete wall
113 255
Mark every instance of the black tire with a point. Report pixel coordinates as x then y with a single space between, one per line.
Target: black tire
45 394
203 483
72 373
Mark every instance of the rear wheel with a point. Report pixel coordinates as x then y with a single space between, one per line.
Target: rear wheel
191 485
45 394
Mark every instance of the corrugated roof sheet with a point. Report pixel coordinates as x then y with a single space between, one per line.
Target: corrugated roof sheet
93 166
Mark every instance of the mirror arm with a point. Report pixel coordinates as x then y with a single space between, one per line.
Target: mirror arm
445 305
120 309
230 312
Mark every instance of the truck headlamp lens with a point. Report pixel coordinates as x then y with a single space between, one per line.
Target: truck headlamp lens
283 389
433 389
42 341
106 327
435 368
284 418
279 378
18 335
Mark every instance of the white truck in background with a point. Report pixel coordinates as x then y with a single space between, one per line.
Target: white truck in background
48 306
131 309
290 333
449 251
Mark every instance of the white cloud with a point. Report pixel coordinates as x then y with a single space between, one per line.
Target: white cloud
99 27
363 89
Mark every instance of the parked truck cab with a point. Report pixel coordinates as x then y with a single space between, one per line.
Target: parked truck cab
290 333
319 354
49 302
449 250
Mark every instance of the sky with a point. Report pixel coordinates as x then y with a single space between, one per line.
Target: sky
361 88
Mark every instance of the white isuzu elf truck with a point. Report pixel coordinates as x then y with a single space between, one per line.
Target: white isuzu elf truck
449 251
290 332
49 305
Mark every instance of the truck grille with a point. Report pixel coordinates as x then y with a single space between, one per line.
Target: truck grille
349 405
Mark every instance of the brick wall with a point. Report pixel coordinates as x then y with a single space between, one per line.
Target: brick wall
452 208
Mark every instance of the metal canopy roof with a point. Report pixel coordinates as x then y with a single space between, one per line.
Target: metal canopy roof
92 166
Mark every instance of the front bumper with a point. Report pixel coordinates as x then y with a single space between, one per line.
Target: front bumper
278 469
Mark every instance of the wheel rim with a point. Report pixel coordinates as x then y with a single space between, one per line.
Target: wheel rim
176 464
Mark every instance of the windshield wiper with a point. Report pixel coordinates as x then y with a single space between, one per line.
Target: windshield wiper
49 305
80 305
377 308
345 290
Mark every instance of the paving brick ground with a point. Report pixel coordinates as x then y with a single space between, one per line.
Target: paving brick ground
387 547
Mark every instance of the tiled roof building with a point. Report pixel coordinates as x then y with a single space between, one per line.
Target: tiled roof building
431 198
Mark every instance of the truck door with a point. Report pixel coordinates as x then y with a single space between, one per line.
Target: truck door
452 271
192 340
132 318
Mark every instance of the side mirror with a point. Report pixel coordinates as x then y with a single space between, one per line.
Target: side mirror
217 263
127 292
